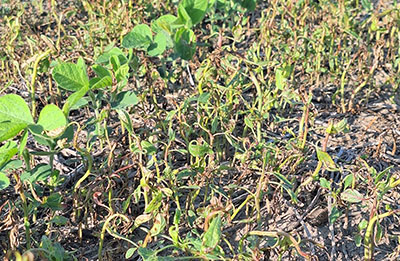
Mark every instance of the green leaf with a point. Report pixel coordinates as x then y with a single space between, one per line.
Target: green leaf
140 37
101 71
147 254
124 100
12 165
73 99
71 77
213 234
341 126
165 25
362 225
52 119
204 97
14 116
198 150
129 253
100 83
185 43
326 160
196 9
358 240
59 220
122 72
348 180
7 151
352 196
325 183
158 46
335 214
53 201
40 173
148 147
280 80
183 17
248 4
105 57
155 203
4 181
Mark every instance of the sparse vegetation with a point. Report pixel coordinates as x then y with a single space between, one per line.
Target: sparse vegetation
199 130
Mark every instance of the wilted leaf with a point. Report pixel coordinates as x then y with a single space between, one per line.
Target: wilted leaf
352 196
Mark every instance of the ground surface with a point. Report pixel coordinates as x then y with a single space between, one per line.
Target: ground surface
338 60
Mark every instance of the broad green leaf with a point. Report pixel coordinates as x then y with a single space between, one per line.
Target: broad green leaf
12 165
59 220
101 71
105 57
100 83
148 147
14 116
362 225
185 43
53 201
122 73
155 203
124 100
73 99
335 214
213 234
52 119
173 233
71 77
163 23
4 181
129 253
248 4
204 97
40 173
140 37
248 122
81 63
147 254
158 46
352 196
348 180
198 150
280 80
325 183
7 151
114 61
196 9
183 17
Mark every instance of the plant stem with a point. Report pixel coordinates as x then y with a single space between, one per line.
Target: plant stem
25 209
34 74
